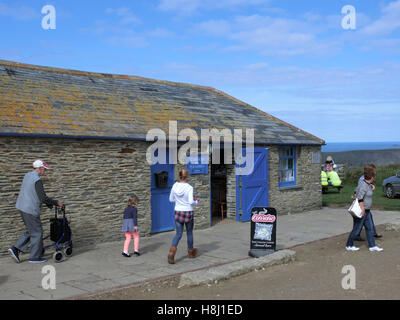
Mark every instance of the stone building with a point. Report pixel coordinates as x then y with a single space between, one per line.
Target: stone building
92 127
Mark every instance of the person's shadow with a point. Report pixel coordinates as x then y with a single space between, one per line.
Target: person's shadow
150 247
203 249
3 279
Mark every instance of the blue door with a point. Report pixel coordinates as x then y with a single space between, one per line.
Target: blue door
252 189
162 211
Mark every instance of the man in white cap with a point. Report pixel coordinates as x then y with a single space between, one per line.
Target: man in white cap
30 199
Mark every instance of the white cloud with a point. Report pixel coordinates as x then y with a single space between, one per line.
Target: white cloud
116 34
160 33
257 66
278 37
385 45
214 27
122 32
22 13
180 6
125 15
120 35
376 35
389 22
310 34
188 7
130 40
373 84
270 36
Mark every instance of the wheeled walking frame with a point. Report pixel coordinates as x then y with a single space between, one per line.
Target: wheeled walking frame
60 234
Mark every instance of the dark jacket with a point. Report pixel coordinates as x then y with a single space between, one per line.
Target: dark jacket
131 213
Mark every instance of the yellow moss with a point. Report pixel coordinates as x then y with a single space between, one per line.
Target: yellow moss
32 110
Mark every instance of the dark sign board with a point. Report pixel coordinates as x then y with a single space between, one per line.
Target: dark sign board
262 231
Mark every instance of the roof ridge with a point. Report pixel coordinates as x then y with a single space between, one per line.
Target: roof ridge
10 63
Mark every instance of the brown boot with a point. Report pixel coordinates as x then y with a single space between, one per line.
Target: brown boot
192 253
171 255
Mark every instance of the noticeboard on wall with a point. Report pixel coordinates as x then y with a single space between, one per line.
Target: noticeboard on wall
316 157
197 164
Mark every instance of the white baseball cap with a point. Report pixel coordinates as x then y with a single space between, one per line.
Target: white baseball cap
40 164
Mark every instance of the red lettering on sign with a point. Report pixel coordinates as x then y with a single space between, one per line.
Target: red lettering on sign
263 218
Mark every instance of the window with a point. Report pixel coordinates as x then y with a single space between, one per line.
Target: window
287 166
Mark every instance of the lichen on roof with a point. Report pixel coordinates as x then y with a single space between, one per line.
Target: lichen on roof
40 100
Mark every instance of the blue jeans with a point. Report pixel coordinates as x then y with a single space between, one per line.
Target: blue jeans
358 224
373 226
179 232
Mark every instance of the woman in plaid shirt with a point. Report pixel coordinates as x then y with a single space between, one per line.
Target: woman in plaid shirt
182 195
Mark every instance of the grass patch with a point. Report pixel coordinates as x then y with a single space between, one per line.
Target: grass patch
335 199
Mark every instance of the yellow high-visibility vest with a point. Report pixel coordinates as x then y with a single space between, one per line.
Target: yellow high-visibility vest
324 178
334 178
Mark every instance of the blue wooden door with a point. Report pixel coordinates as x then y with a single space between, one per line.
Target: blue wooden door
162 211
252 189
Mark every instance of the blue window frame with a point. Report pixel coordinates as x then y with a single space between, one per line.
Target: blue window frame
287 166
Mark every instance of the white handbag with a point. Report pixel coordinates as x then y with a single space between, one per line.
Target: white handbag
355 209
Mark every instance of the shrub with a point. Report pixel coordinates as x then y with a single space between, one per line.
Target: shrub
382 172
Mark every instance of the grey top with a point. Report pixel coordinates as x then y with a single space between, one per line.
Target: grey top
364 194
28 200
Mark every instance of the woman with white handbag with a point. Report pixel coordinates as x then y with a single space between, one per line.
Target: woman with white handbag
364 194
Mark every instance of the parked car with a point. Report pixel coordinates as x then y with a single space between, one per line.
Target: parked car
391 186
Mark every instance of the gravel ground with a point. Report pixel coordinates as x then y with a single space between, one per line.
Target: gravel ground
316 274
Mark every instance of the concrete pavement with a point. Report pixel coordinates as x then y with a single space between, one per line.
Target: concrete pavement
102 267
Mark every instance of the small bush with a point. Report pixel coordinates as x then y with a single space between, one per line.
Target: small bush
382 172
352 175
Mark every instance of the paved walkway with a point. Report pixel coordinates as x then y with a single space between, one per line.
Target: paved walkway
101 267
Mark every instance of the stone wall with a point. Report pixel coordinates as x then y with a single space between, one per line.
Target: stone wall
231 191
306 195
201 190
94 178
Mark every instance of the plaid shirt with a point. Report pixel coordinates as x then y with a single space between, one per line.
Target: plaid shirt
183 216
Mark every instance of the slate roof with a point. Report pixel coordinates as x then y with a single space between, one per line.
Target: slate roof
45 101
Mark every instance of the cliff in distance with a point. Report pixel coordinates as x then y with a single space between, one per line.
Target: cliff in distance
361 157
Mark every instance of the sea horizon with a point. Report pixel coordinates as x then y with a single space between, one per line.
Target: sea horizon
351 146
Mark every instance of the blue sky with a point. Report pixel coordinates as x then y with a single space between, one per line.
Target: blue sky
289 58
